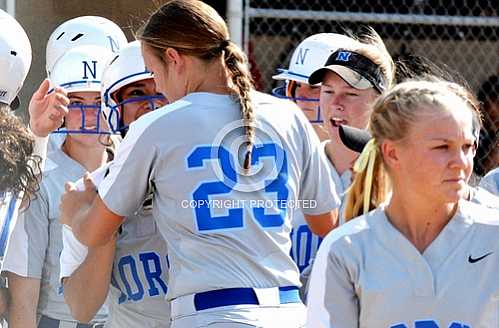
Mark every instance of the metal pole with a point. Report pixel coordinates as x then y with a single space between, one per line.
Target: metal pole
235 21
10 7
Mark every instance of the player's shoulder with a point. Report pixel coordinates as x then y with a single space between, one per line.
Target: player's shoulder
492 173
484 197
265 101
356 231
480 214
491 181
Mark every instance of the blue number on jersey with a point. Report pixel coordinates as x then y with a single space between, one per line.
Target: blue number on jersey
430 324
205 220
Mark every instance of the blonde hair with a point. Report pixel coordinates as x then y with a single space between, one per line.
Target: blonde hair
194 28
393 114
372 46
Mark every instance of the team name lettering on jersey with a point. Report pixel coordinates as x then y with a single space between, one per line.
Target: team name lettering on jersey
128 266
430 324
305 244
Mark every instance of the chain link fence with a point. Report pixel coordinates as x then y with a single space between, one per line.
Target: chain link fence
463 35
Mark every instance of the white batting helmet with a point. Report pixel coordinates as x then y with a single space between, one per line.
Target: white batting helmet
15 57
125 68
311 54
80 69
84 30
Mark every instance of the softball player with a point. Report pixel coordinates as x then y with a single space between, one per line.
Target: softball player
17 144
31 260
229 263
490 181
357 139
352 78
138 281
18 167
442 242
309 56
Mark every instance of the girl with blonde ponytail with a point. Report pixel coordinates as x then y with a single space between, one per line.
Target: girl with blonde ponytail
408 262
226 166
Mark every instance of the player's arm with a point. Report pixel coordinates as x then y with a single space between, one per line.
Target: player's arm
95 217
24 259
23 301
4 299
331 299
92 223
92 277
322 224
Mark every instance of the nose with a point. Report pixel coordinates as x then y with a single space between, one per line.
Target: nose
461 159
336 103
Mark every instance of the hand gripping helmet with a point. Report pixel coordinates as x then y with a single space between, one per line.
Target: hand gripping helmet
84 30
125 68
15 58
310 55
80 70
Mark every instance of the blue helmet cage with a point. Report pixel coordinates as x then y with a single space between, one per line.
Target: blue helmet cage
284 90
114 113
82 109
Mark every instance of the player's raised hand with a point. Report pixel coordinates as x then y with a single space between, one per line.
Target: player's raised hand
75 201
47 111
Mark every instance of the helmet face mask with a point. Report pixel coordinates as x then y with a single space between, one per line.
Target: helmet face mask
124 70
288 91
308 56
84 110
79 71
117 110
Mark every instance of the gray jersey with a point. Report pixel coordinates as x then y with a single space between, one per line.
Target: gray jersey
490 181
484 197
140 275
36 239
140 271
370 275
223 229
304 243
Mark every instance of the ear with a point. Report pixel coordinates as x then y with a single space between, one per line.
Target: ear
172 55
390 152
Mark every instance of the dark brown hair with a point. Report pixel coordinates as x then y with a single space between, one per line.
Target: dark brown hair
194 28
18 167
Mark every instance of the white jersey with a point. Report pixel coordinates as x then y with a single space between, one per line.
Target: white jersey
140 271
367 274
490 181
36 238
484 197
223 229
304 244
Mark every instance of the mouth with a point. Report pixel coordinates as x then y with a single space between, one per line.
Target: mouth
336 122
455 180
89 127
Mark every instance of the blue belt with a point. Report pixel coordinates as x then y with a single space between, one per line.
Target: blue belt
46 322
237 296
